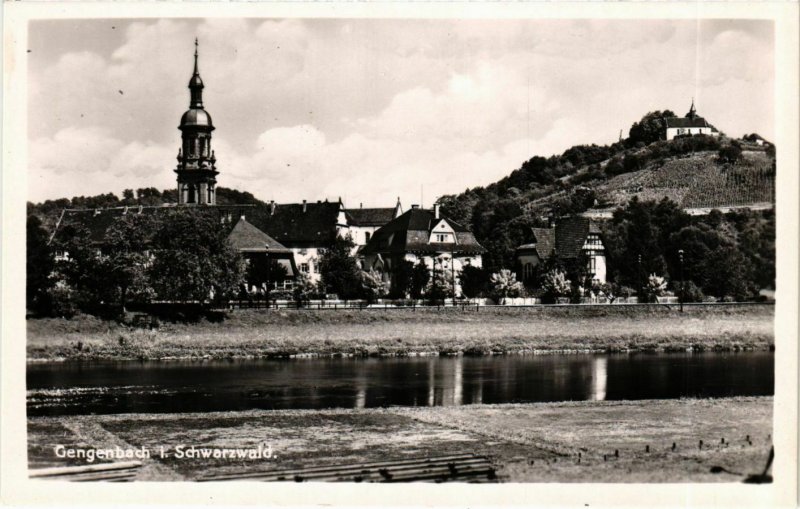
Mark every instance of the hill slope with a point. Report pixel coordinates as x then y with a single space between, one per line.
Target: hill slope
694 172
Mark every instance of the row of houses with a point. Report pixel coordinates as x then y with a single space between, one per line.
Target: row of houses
296 235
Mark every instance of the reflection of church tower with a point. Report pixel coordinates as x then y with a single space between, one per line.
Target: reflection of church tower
196 169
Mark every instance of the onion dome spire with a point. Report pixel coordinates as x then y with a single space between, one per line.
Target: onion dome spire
196 83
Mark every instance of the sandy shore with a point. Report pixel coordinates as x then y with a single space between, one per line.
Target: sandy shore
262 333
628 441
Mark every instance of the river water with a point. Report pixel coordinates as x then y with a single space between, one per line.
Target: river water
194 386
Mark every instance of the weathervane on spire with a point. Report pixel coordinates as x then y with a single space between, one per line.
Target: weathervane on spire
195 55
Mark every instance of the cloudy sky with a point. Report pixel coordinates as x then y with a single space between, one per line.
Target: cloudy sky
370 110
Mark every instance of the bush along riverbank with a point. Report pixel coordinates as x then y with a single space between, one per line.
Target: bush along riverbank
405 332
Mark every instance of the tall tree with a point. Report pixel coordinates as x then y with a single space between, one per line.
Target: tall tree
39 265
339 270
652 127
124 260
191 256
474 281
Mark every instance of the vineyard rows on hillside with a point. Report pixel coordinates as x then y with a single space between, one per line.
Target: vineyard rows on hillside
697 181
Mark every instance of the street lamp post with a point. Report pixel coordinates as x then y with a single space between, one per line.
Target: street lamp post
680 257
453 273
641 281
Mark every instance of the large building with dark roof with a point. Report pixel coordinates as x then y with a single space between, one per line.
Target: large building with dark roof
570 238
364 222
422 236
690 124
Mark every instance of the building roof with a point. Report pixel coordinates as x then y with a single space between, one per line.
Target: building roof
571 233
411 232
98 221
545 239
686 122
297 224
247 238
370 217
565 240
196 117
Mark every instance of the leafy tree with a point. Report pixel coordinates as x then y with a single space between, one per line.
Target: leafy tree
504 284
474 281
372 286
554 285
636 240
655 286
730 153
690 292
402 275
39 265
124 259
339 269
440 285
192 256
304 289
652 127
77 271
727 273
419 280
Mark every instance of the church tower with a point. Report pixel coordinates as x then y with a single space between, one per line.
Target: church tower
196 169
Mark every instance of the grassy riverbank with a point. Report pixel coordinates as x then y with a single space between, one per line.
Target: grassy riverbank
273 333
600 441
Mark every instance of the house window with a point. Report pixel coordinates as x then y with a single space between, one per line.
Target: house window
304 268
527 271
367 235
442 237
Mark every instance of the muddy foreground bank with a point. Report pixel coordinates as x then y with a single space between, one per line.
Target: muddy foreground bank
629 441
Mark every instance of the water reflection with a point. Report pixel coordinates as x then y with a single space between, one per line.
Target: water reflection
72 388
599 377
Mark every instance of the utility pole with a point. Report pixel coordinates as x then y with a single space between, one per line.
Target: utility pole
453 271
680 257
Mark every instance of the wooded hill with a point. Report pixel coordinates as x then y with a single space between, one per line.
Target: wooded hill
693 171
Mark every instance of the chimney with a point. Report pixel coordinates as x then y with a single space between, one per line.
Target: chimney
414 206
436 210
305 206
272 207
361 205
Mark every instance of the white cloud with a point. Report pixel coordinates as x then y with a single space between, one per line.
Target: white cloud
371 109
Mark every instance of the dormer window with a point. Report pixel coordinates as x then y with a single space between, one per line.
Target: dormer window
442 238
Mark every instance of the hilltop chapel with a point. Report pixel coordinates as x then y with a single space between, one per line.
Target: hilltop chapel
295 235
